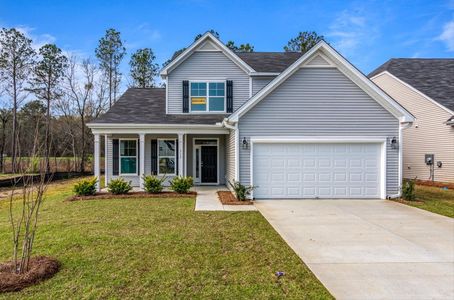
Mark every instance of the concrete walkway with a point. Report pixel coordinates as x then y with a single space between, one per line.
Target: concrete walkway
369 249
207 200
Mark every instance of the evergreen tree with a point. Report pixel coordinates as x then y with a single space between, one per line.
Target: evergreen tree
45 84
303 42
143 68
110 53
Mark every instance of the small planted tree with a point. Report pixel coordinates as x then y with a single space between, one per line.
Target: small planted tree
25 202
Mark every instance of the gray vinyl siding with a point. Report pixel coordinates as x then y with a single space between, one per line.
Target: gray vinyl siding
230 156
206 66
260 82
320 102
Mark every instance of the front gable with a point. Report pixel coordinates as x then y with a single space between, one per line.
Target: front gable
324 56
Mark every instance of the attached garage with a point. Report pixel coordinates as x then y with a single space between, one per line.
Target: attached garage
314 169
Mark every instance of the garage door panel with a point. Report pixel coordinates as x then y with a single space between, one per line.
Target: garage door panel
316 170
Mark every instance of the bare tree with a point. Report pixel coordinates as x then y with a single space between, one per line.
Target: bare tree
25 201
16 62
80 92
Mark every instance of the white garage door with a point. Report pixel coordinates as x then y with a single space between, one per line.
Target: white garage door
322 170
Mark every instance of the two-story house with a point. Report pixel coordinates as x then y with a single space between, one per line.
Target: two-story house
296 126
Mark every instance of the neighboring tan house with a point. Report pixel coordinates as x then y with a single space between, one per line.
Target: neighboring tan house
425 87
296 126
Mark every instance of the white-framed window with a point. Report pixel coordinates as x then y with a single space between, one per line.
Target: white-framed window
207 96
128 156
167 158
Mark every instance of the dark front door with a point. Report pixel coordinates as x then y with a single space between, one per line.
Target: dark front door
209 164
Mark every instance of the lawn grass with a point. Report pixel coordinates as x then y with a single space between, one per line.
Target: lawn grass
434 199
160 248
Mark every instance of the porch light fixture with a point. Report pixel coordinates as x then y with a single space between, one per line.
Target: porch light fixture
393 143
245 143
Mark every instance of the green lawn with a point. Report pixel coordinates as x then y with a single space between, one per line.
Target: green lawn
434 199
160 248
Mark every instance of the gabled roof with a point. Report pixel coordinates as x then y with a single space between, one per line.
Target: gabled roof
345 67
219 46
431 76
148 106
274 62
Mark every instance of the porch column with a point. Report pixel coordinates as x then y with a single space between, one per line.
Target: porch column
142 158
96 161
181 161
106 160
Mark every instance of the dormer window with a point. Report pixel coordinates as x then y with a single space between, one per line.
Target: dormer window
207 96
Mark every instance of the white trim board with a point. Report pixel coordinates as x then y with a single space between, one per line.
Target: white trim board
342 65
194 160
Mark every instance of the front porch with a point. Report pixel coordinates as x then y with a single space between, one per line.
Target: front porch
132 155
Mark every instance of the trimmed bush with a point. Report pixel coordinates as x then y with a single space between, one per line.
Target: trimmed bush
153 184
85 187
241 191
181 184
119 186
408 189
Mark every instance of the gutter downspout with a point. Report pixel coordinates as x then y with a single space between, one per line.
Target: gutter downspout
402 126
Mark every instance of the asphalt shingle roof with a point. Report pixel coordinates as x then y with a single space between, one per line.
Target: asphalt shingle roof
433 77
269 61
148 106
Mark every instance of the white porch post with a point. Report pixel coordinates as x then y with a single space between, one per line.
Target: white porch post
96 161
142 158
181 161
106 160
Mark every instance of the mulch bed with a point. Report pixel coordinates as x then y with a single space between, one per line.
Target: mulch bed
130 195
227 198
449 185
40 268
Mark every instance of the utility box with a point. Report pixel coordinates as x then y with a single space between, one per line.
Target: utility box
429 159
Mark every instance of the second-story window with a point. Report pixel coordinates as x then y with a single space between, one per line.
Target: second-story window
207 96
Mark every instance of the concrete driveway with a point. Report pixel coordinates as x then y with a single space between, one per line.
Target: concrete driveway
369 249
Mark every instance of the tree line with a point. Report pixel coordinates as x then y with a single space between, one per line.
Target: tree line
47 95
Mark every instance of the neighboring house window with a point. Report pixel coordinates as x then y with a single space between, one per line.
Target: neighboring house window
128 157
207 96
166 157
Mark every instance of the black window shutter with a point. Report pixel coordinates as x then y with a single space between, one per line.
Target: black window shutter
138 157
115 156
185 96
229 96
154 157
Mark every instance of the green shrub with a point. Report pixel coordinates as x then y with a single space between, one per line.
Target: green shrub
119 186
408 189
181 184
241 191
153 184
85 187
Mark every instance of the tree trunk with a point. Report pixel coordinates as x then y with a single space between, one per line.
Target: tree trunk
2 147
82 154
14 138
47 162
